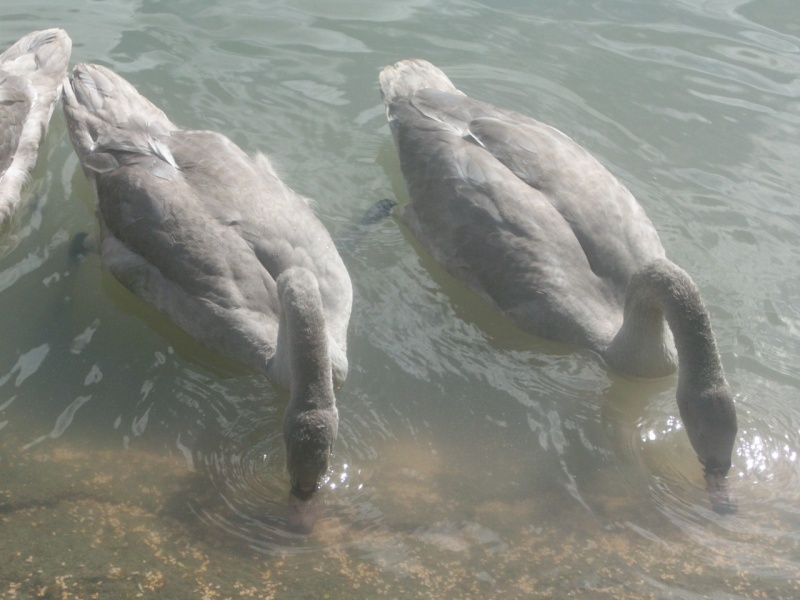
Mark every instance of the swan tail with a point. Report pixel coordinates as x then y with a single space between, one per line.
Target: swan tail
31 72
107 115
44 51
406 77
114 100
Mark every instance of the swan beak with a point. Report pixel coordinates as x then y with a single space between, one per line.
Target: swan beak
720 494
303 512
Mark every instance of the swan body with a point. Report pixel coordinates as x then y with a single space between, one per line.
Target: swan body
220 245
31 72
534 224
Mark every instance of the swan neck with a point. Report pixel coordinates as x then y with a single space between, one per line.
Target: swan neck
663 291
690 323
302 347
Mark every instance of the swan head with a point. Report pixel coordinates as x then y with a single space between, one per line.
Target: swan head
309 436
709 417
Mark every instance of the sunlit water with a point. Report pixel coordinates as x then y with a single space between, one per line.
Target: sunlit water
472 460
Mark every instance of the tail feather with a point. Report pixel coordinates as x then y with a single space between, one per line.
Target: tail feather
48 51
31 72
113 100
408 76
105 114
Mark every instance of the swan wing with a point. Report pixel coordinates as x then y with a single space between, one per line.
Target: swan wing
15 105
245 195
161 238
613 230
488 227
584 233
190 220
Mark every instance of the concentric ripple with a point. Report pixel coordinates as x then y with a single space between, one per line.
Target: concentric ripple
242 487
763 479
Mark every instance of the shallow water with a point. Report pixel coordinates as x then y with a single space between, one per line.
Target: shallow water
472 460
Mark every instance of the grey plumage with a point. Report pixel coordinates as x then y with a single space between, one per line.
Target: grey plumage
218 243
534 224
31 72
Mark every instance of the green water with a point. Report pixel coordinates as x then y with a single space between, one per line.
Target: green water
473 461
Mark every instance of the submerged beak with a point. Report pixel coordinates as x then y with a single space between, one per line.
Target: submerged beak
303 512
720 494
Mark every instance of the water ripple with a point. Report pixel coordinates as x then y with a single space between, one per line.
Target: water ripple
247 493
765 480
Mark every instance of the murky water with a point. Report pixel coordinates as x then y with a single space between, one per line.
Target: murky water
472 460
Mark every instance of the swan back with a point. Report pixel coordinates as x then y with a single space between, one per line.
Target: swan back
197 227
567 232
31 73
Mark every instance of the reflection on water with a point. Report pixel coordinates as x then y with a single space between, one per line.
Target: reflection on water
472 461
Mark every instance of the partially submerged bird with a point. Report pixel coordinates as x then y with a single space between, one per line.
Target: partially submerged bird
534 224
220 245
31 74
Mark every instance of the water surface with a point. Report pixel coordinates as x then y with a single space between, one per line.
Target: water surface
473 461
